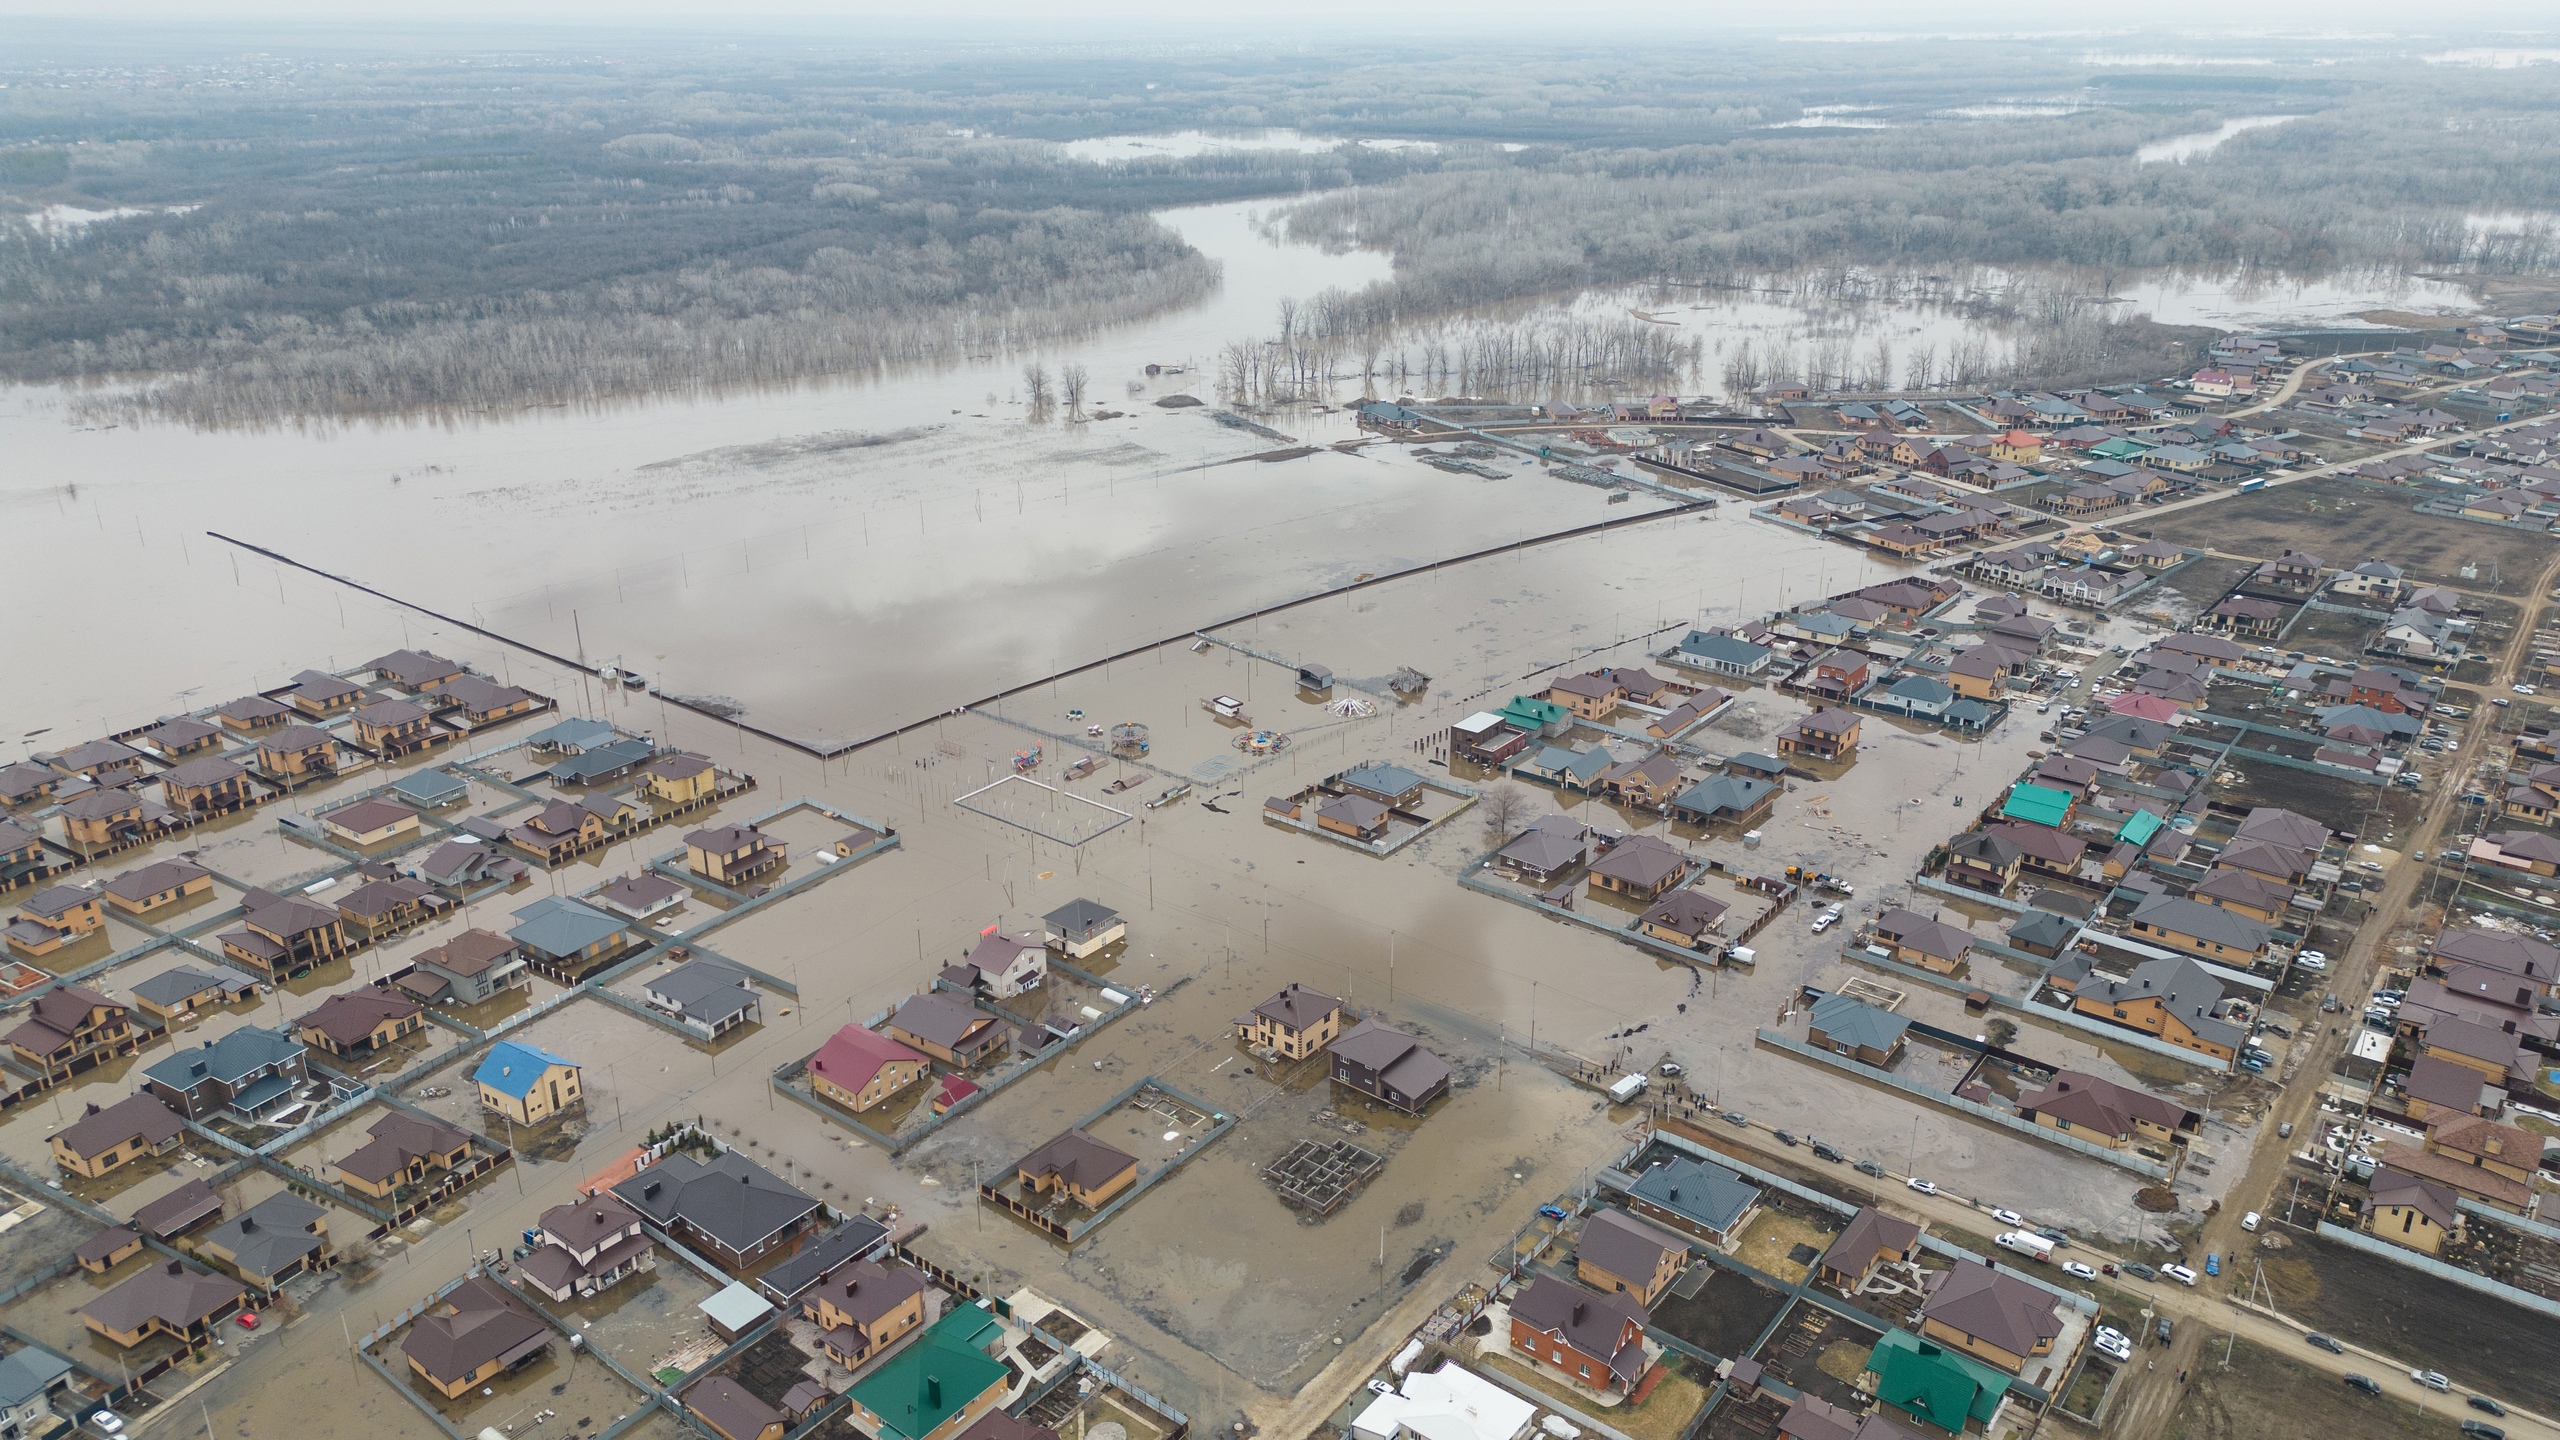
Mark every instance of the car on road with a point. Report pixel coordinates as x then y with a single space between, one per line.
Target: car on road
1925 1187
2162 1329
1785 1139
2060 1237
2078 1271
2432 1379
2138 1270
1735 1117
1381 1387
2524 690
2364 1383
2499 700
2318 1341
2009 1217
2212 1264
1869 1168
2179 1273
1823 1150
1826 919
2249 1221
2485 1405
2481 1430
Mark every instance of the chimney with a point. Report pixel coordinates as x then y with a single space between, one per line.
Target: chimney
933 1391
248 1223
1578 1308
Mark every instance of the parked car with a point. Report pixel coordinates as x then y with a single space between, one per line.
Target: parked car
2318 1341
2162 1329
2113 1346
2364 1383
2524 690
2481 1430
248 1319
2249 1221
107 1422
1381 1387
1735 1117
1925 1187
2078 1271
1785 1139
1553 1212
2212 1264
2432 1379
2138 1270
1826 919
2009 1217
2485 1405
2179 1273
1823 1150
2316 957
1869 1168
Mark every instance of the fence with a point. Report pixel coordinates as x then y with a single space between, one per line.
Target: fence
2498 1289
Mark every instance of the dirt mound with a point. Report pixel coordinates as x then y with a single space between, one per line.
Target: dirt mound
1177 402
2158 1199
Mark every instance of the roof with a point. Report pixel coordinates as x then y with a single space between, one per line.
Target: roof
2043 927
1857 1024
939 1019
637 893
1396 1058
1588 1321
1077 1159
557 925
2180 984
2194 918
467 954
1727 649
1723 794
1641 861
2104 1106
2475 1038
175 1211
1868 1233
1297 1007
1625 1246
1686 911
1919 932
2447 1084
351 1017
477 1323
483 695
398 1138
270 1235
2039 804
819 1254
1544 850
2394 1186
730 1198
174 1293
705 990
868 1290
156 877
101 1130
30 1371
951 1352
2499 950
727 1407
171 986
2481 1139
235 1056
1450 1403
853 1056
570 734
2242 887
1698 1190
1078 917
736 1306
1998 1309
414 667
513 1068
1935 1383
2282 827
297 737
1357 811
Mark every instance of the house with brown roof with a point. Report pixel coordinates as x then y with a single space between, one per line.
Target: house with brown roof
1822 735
1916 939
859 1068
130 1129
359 1022
947 1028
477 702
1296 1023
173 1299
54 917
206 785
731 1412
467 969
98 1254
476 1333
2243 892
2101 1112
103 819
192 1204
679 777
734 855
403 1149
1617 1253
1647 783
252 715
2489 1148
1596 1339
1870 1240
1685 918
2440 1089
1389 1067
565 829
588 1248
282 936
157 886
368 822
1077 1167
416 671
1592 697
69 1029
318 694
2173 998
1640 867
378 908
861 1306
1986 860
1994 1318
392 728
298 753
2494 1050
2410 1210
2242 615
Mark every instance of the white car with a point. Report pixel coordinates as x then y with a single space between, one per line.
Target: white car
106 1421
2114 1347
2432 1379
2009 1218
2524 690
1826 919
2312 960
2249 1221
1925 1187
2078 1271
2179 1273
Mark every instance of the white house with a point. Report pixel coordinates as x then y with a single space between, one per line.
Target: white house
2374 579
1448 1404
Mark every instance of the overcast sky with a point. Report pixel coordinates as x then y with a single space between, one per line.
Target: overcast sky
1340 19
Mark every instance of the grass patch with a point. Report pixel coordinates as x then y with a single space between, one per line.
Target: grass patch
1773 1235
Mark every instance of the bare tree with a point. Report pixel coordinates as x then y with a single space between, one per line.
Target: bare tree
1035 389
1503 806
1137 388
1073 380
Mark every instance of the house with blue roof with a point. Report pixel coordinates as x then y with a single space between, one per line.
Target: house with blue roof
1695 1197
526 1083
251 1074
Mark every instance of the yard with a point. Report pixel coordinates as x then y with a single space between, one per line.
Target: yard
2346 521
2262 1393
1783 1241
2392 1308
1664 1414
1725 1318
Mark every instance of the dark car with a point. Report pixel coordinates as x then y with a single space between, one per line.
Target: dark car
1869 1167
2486 1405
2482 1430
2164 1329
2318 1341
2140 1271
1785 1139
1822 1151
2365 1384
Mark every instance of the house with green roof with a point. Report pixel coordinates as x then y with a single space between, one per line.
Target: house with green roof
2038 805
1930 1382
938 1385
1533 716
2139 827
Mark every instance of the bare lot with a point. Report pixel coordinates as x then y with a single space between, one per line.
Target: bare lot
2345 521
2481 1343
2262 1393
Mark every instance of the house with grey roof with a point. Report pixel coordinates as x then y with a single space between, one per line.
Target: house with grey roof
1722 654
31 1378
1725 799
2215 932
272 1241
1860 1031
2172 998
173 992
250 1074
706 997
1389 1067
562 935
1695 1197
729 1208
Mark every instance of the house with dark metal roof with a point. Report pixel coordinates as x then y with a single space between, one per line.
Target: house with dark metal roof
730 1411
479 702
1297 1022
272 1241
359 1022
946 1027
734 855
72 1028
2411 1210
1685 918
2101 1112
863 1305
1594 1338
250 1074
1617 1253
588 1248
180 736
859 1238
1995 1318
729 1208
474 1334
1870 1239
2174 999
284 936
561 935
192 1204
1916 939
1639 867
2212 931
1723 654
415 671
1542 853
1082 928
706 997
1858 1030
1823 735
173 1299
1389 1067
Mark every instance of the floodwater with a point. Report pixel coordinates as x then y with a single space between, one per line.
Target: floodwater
1183 144
2179 149
2244 300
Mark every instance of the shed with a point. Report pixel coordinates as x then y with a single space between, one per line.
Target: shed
736 1310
